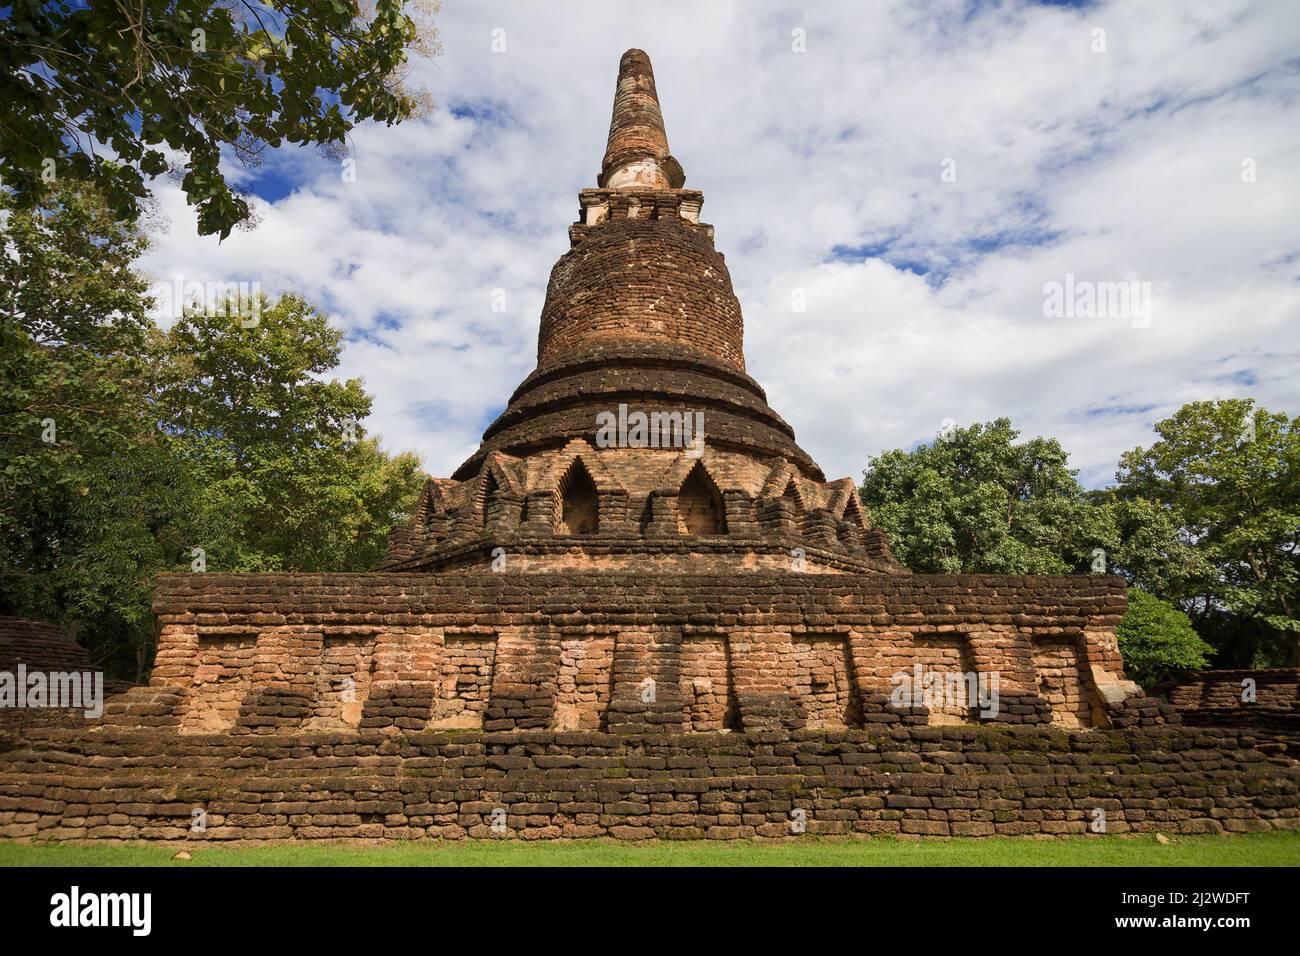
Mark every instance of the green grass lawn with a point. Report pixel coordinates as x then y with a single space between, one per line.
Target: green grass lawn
1263 849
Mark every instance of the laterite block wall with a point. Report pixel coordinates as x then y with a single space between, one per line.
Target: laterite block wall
261 653
1275 689
939 781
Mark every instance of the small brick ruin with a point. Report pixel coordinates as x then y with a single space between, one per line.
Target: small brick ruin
37 647
638 610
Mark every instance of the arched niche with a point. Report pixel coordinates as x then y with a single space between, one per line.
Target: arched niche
579 503
699 505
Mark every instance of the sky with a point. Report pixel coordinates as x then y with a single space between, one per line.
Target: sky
904 192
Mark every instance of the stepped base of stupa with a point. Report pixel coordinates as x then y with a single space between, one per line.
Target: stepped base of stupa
538 706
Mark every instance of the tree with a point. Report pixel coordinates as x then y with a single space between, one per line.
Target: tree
100 92
289 480
1143 542
132 524
123 448
976 500
78 439
1228 477
1156 638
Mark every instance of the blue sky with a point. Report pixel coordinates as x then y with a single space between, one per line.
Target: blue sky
916 176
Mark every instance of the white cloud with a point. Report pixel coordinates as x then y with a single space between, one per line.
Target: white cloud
1128 161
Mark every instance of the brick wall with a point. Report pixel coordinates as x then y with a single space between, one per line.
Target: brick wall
583 651
1275 689
1220 698
593 705
919 781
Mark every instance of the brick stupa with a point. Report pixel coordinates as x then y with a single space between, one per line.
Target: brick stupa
560 573
640 316
578 636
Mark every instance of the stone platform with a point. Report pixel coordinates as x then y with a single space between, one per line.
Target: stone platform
940 781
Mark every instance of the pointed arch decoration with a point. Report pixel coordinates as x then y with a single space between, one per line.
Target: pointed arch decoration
700 509
792 493
591 460
778 479
426 506
432 510
854 513
579 501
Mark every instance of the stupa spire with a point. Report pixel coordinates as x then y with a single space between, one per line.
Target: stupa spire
637 153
